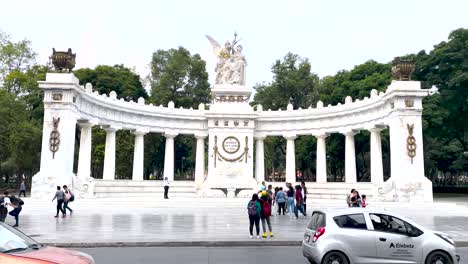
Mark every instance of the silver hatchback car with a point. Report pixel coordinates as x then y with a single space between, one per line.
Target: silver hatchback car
360 235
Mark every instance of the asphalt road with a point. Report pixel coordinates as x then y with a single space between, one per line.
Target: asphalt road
234 255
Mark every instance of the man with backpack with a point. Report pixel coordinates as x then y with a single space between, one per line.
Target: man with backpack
254 210
15 203
266 213
3 206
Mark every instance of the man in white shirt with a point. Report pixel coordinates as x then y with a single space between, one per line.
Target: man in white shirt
4 207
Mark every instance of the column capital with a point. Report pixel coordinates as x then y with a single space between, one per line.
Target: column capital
200 135
349 132
170 134
322 135
140 132
376 129
86 125
260 137
290 136
109 128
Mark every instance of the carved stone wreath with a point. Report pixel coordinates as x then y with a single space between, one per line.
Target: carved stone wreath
218 156
54 139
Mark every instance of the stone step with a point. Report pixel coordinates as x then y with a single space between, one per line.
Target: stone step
142 183
144 195
145 189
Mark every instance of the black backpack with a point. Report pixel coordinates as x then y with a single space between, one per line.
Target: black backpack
16 200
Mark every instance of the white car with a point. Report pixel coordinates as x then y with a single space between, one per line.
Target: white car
360 235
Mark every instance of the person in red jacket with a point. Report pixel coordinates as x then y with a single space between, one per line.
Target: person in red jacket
299 202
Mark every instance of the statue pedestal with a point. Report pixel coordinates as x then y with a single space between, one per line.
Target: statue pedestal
231 129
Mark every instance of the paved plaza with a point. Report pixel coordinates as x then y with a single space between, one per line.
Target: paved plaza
197 222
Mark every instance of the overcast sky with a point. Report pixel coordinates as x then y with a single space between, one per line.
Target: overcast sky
333 34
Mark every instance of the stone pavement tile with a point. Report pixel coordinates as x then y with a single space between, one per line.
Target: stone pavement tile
194 219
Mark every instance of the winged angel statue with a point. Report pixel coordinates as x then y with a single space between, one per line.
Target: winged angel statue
230 68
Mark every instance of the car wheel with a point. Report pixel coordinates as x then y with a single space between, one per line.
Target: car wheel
438 257
335 257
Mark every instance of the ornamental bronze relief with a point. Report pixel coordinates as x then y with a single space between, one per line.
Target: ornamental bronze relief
54 139
411 142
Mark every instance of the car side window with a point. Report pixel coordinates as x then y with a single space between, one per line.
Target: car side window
388 223
356 221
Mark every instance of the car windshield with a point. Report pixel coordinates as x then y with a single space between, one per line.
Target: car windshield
12 239
318 220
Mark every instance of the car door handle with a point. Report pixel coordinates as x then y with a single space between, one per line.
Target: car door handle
383 239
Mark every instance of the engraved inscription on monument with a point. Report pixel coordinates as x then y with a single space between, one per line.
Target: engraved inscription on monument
231 145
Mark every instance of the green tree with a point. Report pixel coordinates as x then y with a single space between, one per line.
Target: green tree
445 67
124 81
293 82
14 56
178 76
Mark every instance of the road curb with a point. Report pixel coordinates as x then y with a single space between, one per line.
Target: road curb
247 243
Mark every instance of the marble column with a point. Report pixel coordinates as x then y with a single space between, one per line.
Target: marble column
376 156
200 159
169 156
290 158
259 159
350 158
138 155
109 155
84 156
321 158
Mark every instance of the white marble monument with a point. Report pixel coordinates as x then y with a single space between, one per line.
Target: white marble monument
233 129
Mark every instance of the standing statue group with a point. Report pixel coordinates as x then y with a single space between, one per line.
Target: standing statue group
230 68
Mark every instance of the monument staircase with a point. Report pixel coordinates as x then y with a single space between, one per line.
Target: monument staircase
331 193
150 188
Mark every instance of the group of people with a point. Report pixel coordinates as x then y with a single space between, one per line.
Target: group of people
292 200
10 205
64 197
354 199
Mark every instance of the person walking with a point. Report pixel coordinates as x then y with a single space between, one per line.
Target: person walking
350 195
304 196
166 188
16 203
4 202
265 214
299 202
69 197
22 189
280 200
10 202
290 195
60 196
254 211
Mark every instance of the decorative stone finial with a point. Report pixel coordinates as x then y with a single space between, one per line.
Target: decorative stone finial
348 99
374 93
141 100
201 106
259 108
63 60
89 87
402 70
113 95
290 107
319 104
171 105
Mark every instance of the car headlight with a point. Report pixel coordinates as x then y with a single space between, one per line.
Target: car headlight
446 238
